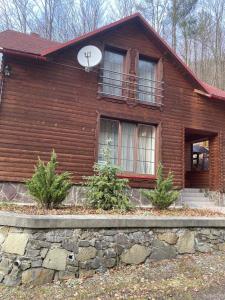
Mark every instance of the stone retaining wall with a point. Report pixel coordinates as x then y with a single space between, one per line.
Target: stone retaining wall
36 256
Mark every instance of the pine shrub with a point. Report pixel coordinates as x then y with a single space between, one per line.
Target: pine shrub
163 195
47 187
104 189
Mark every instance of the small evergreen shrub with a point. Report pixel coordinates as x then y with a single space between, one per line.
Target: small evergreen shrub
104 189
163 195
46 186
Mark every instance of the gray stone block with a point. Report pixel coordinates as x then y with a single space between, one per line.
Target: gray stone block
86 253
37 276
15 243
160 250
186 242
56 259
135 255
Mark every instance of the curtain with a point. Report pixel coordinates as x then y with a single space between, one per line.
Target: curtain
146 77
137 147
146 149
108 134
112 73
128 146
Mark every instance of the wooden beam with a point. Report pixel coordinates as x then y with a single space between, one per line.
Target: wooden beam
202 93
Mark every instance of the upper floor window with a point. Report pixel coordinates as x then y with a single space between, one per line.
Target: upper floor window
127 77
146 80
132 145
113 73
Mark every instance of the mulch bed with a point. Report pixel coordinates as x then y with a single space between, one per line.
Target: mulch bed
80 210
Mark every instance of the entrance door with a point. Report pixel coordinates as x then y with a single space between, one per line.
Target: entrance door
201 159
198 173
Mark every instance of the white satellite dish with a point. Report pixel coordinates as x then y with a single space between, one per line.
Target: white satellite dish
89 57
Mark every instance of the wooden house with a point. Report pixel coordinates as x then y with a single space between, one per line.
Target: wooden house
141 96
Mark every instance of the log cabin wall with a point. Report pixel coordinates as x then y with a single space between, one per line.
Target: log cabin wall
54 105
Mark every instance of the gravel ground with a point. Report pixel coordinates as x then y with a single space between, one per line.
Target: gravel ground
189 277
80 210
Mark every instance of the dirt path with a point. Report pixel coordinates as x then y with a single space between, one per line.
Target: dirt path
194 277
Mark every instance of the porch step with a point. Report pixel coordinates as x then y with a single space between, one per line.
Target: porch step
193 190
194 195
196 204
196 199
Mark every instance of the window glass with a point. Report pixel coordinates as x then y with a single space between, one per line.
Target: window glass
146 80
108 135
146 149
128 146
112 73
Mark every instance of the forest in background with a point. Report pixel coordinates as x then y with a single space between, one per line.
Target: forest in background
195 29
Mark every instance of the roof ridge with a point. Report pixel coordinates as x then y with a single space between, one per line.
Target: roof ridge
90 33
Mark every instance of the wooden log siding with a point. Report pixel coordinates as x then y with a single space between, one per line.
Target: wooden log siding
51 105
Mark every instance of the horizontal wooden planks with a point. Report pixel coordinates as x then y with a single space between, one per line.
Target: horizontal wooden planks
54 105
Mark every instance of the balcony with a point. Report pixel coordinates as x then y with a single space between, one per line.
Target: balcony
113 84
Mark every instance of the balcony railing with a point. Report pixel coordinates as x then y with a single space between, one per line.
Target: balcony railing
130 87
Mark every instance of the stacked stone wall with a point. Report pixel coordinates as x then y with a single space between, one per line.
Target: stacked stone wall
36 256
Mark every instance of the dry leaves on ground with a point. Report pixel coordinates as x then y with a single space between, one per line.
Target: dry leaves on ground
80 210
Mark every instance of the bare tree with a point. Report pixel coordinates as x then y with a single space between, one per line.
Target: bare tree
6 19
16 14
218 11
91 14
178 11
122 8
155 11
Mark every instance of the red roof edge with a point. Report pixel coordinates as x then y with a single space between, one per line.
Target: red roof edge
90 34
23 54
141 19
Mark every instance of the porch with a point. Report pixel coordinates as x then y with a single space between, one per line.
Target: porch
202 160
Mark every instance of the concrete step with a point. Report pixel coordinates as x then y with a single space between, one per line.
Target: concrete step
187 199
186 194
193 204
193 190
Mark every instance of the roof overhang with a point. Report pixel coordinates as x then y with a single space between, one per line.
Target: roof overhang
23 54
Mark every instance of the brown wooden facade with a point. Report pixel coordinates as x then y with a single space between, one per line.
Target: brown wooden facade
56 104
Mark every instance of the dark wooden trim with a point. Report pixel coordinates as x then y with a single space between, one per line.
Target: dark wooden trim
119 142
97 133
136 176
129 118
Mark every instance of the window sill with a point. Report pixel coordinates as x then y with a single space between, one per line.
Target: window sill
112 98
130 102
136 176
148 104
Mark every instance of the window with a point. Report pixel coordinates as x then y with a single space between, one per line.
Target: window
146 81
113 73
109 132
132 145
125 77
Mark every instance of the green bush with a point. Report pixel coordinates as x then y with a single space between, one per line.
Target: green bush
104 189
49 188
163 195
